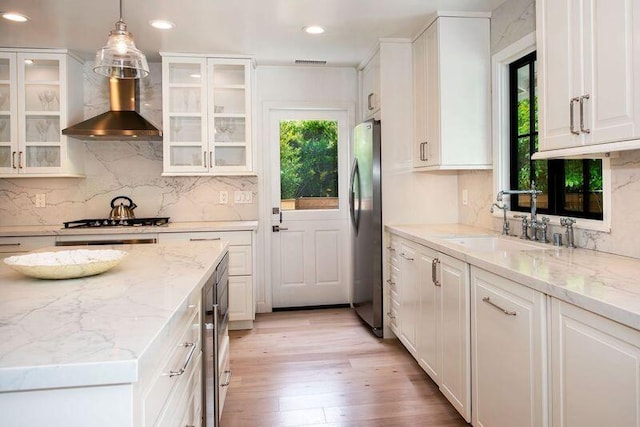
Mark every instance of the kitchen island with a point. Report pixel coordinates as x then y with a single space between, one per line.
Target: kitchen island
93 351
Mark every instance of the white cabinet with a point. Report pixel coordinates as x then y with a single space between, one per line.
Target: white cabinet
595 366
207 115
40 94
434 319
370 87
409 295
509 353
241 267
454 340
11 245
391 300
451 75
429 325
589 73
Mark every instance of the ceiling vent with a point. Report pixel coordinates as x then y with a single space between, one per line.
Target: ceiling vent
310 62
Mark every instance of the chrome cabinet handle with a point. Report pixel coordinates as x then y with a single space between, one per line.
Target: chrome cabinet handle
423 151
204 239
204 159
391 282
571 121
434 266
402 254
582 128
9 244
391 316
19 159
228 381
181 371
210 159
507 312
13 160
369 103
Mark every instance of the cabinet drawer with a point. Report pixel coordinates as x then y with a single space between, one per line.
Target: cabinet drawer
233 237
240 260
181 405
25 244
179 365
225 376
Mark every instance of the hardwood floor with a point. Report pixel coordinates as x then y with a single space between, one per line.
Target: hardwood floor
323 368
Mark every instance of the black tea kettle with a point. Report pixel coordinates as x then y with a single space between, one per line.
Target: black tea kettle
122 211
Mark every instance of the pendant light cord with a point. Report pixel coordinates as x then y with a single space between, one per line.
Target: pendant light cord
121 17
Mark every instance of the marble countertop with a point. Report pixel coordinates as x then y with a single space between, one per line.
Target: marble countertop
172 227
603 283
97 330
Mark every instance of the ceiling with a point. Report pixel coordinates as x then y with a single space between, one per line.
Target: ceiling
269 30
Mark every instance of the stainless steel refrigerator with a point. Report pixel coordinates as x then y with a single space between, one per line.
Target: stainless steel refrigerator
365 204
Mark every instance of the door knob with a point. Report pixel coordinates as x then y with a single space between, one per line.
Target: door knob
277 228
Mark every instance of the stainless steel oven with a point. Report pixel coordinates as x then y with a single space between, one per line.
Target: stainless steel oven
215 301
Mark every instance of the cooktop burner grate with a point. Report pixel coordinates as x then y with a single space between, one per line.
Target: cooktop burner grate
134 222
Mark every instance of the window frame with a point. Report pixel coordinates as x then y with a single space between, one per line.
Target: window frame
556 176
501 137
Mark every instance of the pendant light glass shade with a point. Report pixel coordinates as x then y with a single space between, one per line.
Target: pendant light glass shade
120 58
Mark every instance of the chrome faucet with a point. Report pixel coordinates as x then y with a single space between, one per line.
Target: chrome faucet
533 221
505 223
568 223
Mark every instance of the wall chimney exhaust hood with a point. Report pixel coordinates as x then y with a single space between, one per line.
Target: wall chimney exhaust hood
123 120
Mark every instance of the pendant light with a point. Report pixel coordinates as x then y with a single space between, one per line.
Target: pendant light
120 58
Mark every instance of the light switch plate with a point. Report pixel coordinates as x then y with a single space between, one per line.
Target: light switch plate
41 200
243 197
465 197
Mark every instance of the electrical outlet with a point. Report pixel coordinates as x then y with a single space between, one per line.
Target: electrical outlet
41 200
243 197
224 197
465 197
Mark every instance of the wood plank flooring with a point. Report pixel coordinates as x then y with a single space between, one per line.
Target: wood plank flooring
323 368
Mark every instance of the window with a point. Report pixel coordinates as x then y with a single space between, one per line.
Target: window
569 187
308 164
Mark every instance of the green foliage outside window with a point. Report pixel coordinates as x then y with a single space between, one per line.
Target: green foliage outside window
308 158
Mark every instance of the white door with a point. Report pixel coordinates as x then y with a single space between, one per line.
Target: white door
310 245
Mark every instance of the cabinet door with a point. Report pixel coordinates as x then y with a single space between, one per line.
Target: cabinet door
8 114
230 114
393 312
508 341
370 96
426 98
595 365
184 115
611 72
428 327
559 37
455 381
40 97
240 298
408 291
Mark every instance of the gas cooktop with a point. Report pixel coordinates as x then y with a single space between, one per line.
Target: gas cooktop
133 222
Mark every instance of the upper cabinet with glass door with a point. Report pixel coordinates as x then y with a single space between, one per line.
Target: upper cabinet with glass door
40 94
207 115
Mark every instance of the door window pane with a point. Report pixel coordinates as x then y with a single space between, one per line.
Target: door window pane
308 164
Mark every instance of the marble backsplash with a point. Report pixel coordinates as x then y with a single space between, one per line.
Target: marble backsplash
132 169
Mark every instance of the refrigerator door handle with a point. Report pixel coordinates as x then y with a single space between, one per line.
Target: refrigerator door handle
355 176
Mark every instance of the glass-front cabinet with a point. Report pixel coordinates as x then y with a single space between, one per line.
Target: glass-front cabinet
40 93
206 115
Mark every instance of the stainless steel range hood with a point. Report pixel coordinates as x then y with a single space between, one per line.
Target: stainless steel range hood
123 120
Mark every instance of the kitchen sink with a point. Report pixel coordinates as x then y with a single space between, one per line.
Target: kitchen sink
493 243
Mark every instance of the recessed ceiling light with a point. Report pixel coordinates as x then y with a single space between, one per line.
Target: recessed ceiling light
161 24
15 16
313 29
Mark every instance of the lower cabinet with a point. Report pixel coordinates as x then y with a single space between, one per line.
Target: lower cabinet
241 278
509 353
595 369
13 245
434 319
